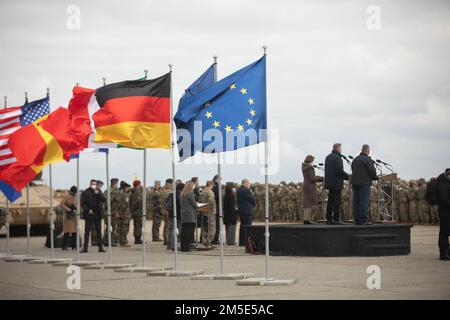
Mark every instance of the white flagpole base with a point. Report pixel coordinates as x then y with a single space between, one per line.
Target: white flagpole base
224 276
12 256
110 266
175 273
49 261
265 282
140 269
80 263
22 259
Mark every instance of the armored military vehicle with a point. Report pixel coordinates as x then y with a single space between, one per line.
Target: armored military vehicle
39 195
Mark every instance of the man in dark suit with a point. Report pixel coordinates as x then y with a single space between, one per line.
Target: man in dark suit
334 182
363 172
245 203
92 201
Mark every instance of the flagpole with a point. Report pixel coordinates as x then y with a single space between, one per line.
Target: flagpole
174 184
144 199
108 200
8 252
144 208
28 220
27 210
52 224
108 207
219 174
78 208
266 198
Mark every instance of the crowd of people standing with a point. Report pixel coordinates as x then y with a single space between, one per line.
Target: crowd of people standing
199 206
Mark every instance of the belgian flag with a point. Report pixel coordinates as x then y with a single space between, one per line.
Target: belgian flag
134 114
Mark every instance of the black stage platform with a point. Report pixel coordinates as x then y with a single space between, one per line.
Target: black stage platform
321 240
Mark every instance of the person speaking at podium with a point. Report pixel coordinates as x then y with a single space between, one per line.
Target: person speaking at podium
363 172
334 182
309 188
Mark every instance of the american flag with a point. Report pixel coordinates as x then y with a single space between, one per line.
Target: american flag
12 119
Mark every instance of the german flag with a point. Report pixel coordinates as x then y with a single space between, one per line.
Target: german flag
134 114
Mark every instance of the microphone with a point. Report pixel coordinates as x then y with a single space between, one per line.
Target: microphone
350 157
321 164
382 162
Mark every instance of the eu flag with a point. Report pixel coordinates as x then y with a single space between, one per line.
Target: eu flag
223 116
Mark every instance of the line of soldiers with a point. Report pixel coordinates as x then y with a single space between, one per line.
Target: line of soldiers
285 202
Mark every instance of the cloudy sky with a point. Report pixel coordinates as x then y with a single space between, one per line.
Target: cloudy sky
331 78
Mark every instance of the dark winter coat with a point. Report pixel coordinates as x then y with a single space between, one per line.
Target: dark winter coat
363 171
92 201
309 185
334 171
444 196
245 201
229 208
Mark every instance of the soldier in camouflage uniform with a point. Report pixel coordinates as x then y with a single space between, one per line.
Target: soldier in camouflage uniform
115 211
283 201
209 227
299 199
292 202
136 211
157 212
124 215
317 210
276 203
374 216
165 192
260 197
403 203
434 211
255 210
413 202
346 213
424 206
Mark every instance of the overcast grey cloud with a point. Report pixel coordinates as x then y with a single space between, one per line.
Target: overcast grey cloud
330 77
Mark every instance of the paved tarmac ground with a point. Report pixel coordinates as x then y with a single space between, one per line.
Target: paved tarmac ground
417 276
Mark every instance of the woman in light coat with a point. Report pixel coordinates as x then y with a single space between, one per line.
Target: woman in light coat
309 188
69 218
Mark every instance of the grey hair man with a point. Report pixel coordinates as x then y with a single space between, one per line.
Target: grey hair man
363 173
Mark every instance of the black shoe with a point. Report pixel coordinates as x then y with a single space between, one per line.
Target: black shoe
138 241
444 258
337 222
308 222
157 240
85 250
65 248
101 249
216 242
368 223
329 222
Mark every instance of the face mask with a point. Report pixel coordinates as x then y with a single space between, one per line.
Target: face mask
93 187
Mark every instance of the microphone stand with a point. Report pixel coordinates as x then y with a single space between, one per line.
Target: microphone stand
350 191
325 198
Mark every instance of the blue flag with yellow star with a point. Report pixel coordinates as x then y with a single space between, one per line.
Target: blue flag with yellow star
223 116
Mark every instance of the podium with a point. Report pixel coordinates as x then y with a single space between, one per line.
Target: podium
385 196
